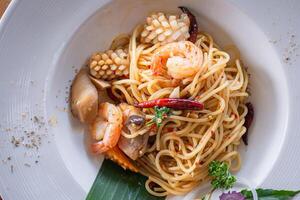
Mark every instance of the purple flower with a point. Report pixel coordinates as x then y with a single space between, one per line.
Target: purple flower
232 196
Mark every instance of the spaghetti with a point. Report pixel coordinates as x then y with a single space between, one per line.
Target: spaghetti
188 140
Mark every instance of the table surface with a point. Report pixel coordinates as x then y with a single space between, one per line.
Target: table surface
278 29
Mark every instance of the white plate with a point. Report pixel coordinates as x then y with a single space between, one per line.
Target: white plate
43 42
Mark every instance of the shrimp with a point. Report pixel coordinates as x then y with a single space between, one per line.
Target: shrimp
116 155
106 128
178 59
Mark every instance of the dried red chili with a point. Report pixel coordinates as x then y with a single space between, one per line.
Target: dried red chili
175 103
248 121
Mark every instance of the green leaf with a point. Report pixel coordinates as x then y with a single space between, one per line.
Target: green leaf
113 182
269 194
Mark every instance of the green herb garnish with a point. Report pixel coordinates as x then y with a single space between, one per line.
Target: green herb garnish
221 177
269 194
160 114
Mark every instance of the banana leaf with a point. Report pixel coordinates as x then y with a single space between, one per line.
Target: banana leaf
115 183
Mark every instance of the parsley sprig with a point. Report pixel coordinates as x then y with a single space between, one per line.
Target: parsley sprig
222 178
160 114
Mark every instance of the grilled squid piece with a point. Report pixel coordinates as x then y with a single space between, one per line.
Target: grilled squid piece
193 29
84 97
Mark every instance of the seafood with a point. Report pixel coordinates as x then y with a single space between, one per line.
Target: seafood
178 59
162 28
106 128
109 65
116 155
84 97
134 147
133 120
193 30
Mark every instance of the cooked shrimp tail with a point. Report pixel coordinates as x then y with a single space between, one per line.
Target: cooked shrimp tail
116 155
99 147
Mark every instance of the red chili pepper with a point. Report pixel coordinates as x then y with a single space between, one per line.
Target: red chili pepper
193 30
179 104
248 121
